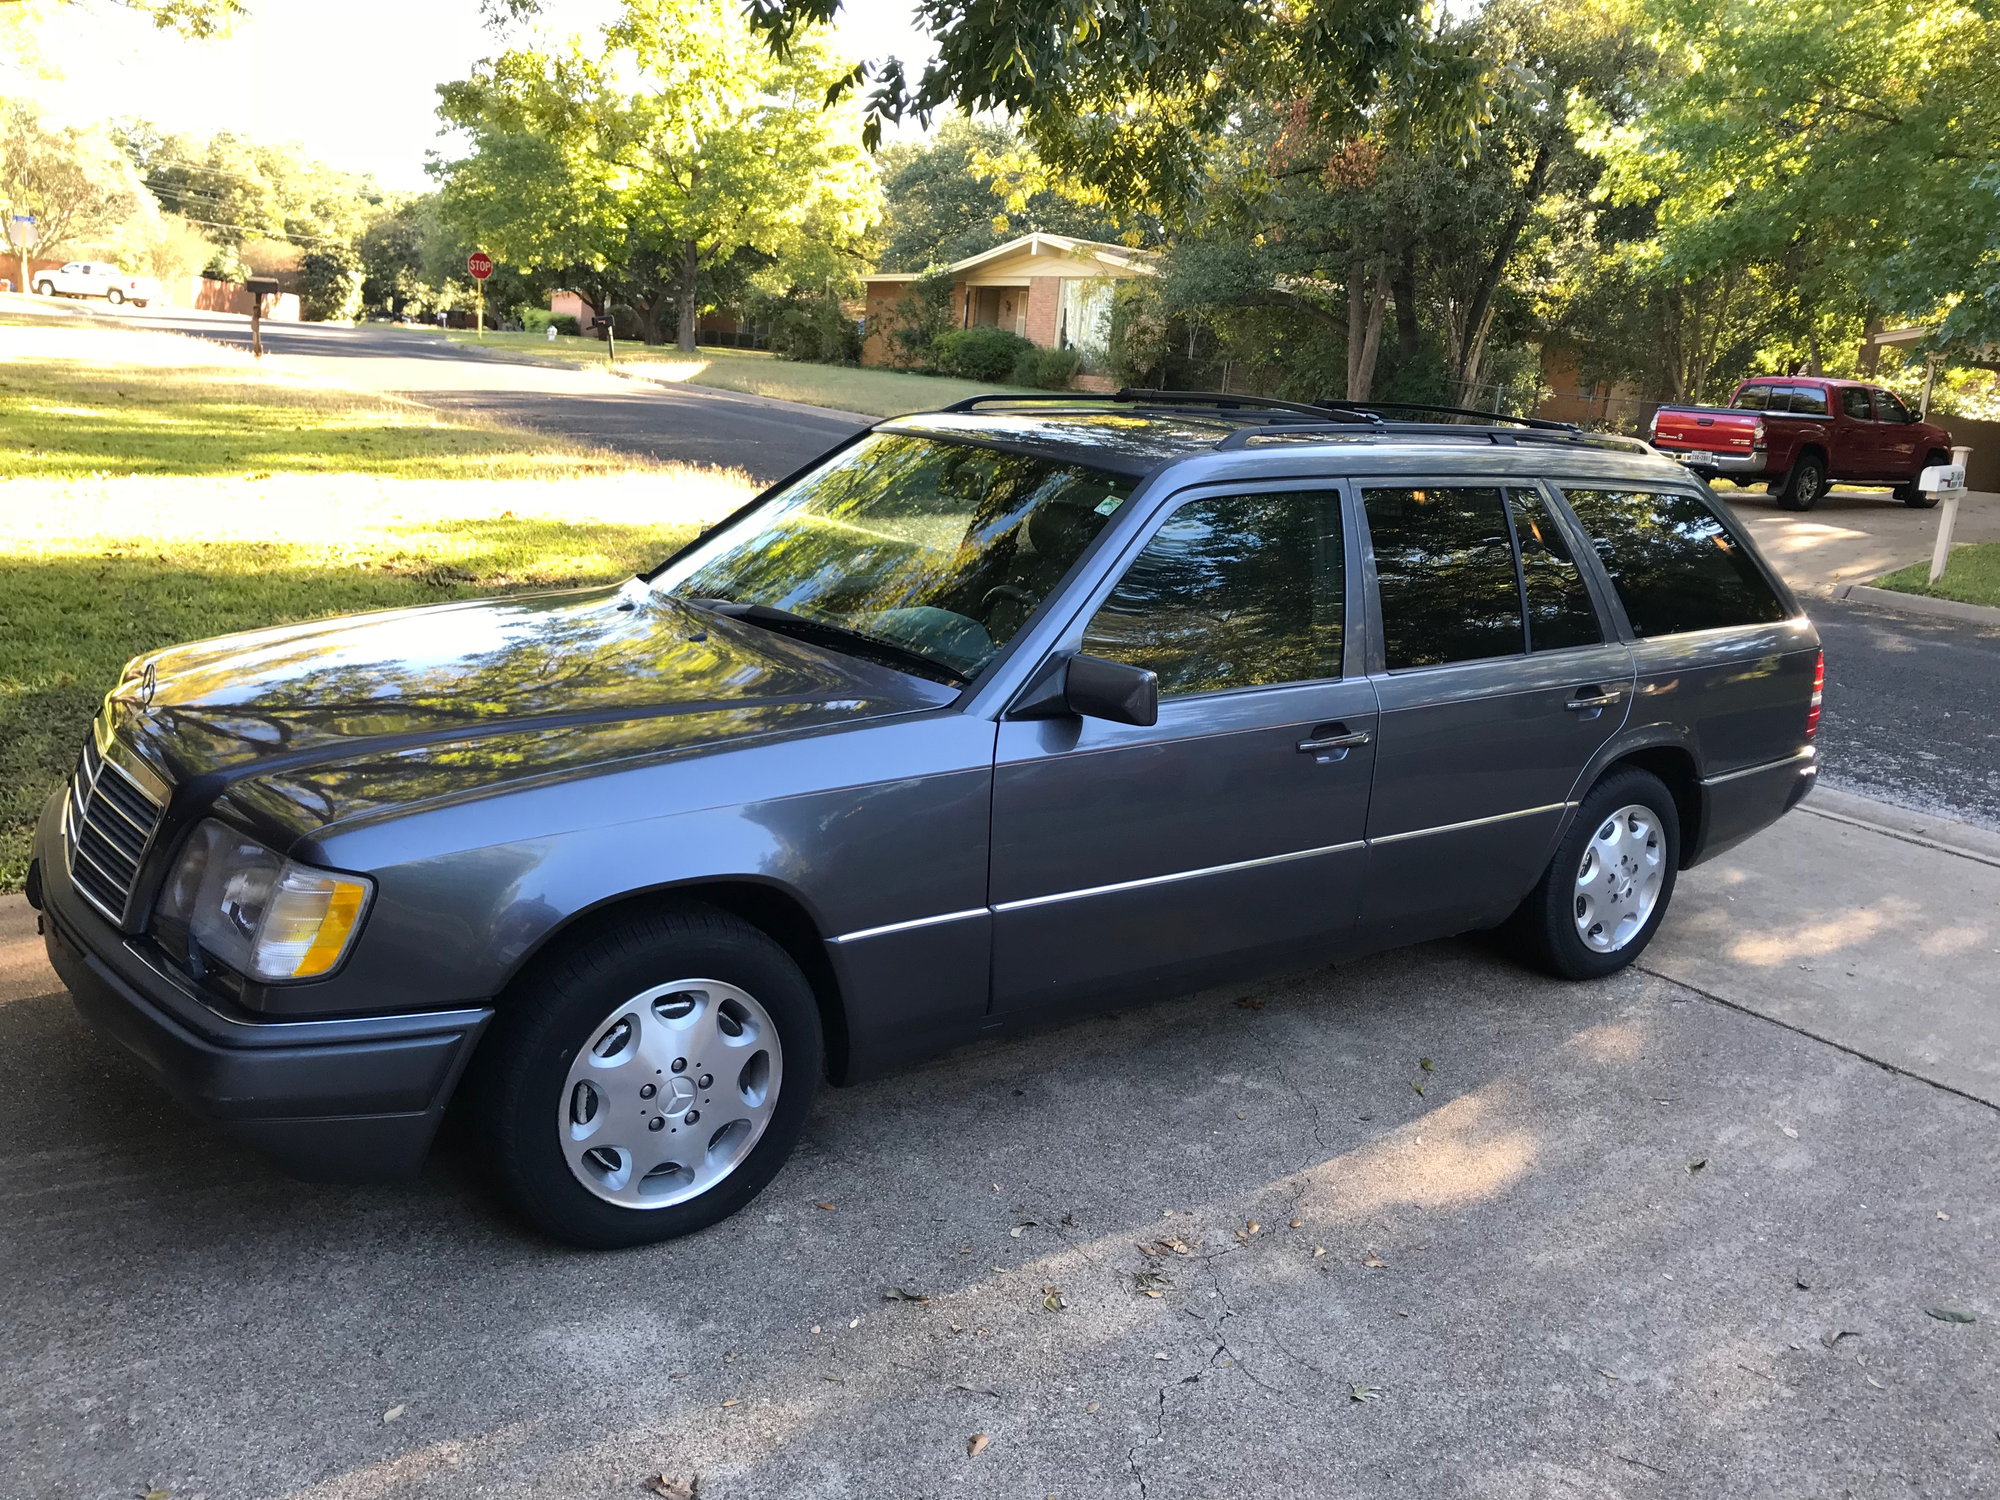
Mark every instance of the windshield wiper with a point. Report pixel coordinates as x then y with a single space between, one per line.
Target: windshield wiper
840 637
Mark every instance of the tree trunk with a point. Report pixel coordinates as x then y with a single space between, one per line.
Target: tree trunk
1479 313
1367 302
690 304
1409 337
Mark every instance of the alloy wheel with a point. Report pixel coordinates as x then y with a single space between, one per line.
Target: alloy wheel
669 1093
1618 879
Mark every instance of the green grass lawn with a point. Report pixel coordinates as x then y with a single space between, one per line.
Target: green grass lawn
879 393
1971 575
156 492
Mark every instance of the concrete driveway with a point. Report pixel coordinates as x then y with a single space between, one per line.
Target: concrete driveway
1675 1234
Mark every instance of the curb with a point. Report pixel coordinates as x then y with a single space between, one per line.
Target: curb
1916 604
1931 831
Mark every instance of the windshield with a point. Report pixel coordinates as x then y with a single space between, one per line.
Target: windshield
938 548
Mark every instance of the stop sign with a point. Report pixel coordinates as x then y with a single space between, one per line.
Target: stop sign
480 265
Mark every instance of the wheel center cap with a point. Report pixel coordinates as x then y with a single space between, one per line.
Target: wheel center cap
676 1095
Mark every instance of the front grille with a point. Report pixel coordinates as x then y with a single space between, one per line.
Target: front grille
111 821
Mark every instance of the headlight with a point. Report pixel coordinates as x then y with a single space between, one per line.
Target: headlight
262 914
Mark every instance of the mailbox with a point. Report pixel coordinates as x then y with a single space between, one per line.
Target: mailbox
262 286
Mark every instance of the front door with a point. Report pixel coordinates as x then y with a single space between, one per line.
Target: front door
1497 685
1230 833
1860 455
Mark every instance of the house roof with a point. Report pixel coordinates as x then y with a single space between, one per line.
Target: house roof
1123 257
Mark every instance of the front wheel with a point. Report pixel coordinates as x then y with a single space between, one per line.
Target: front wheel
45 289
1608 884
1916 498
650 1080
1804 485
115 297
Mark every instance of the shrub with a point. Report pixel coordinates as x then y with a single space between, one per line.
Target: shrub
540 320
807 326
1050 369
923 315
330 284
981 353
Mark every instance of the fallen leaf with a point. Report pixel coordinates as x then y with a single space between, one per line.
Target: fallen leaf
1697 1164
1789 1133
1375 1265
1090 1408
1254 1227
976 1444
1364 1393
1424 1063
1298 1223
1250 1002
1021 1228
975 1390
732 1401
1874 1382
159 1495
394 1413
1951 1315
898 1294
1149 1283
853 1322
1831 1337
815 1328
1052 1300
1161 1355
1945 1216
670 1488
827 1206
1419 1088
1608 1374
1318 1251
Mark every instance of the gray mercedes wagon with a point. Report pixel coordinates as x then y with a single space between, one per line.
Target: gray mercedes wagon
993 716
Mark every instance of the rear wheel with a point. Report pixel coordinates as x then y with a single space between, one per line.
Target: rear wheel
650 1081
1804 485
1913 497
115 297
1608 884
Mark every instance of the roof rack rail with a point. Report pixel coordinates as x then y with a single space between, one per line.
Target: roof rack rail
1131 397
1550 432
1544 423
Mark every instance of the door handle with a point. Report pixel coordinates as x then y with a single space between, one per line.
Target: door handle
1335 742
1593 698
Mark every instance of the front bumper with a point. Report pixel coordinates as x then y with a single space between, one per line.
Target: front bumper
353 1099
1704 462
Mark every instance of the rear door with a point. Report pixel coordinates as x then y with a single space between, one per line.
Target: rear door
1498 682
1229 834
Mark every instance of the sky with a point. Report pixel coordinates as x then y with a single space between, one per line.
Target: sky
353 81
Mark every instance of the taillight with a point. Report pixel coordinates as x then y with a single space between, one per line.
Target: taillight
1819 691
1655 427
1757 433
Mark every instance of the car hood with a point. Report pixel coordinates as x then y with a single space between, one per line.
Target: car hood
342 716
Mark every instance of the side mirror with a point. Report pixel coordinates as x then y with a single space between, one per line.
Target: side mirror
1095 687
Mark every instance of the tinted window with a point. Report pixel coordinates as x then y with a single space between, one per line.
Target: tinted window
1559 609
1676 566
1754 398
1854 401
1446 568
1890 409
1807 400
1236 592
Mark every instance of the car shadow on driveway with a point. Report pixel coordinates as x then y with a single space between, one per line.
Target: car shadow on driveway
1596 1246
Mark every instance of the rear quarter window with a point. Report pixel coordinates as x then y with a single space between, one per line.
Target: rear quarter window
1677 567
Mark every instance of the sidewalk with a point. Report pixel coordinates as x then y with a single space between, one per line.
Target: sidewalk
1852 536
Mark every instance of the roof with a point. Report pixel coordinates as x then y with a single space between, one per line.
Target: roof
1121 257
1134 432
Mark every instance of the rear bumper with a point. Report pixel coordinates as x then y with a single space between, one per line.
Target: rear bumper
354 1099
1740 803
1706 462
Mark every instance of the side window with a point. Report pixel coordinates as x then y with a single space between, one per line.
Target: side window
1753 398
1676 566
1854 402
1446 570
1891 409
1236 592
1808 401
1559 609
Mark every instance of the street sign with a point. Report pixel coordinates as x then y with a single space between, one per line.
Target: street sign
21 230
480 265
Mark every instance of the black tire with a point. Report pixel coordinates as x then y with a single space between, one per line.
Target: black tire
1913 497
1805 484
548 1019
45 289
115 297
1544 927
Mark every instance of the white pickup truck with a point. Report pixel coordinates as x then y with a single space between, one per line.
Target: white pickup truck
96 278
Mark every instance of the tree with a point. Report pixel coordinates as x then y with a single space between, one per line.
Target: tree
330 278
668 153
945 199
193 18
1847 149
238 189
76 182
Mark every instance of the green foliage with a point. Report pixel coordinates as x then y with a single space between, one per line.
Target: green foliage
541 320
981 353
924 314
330 279
813 329
75 181
238 189
666 160
1048 369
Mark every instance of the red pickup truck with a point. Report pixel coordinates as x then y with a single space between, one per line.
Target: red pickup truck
1797 434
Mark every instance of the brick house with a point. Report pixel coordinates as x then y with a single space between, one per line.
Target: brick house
1052 290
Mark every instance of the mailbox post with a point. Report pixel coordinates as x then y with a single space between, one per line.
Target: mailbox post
603 326
259 287
1947 481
